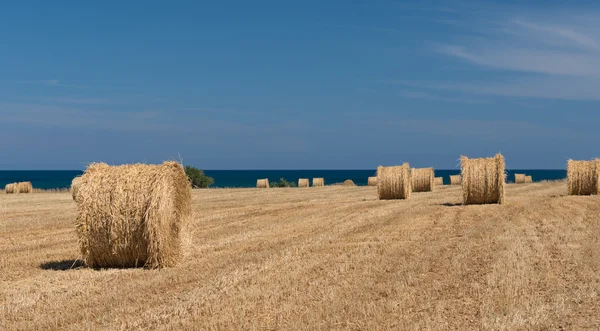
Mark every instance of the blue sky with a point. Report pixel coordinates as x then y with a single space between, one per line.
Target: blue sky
298 85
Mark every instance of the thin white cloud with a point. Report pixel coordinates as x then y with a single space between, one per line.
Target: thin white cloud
50 82
428 96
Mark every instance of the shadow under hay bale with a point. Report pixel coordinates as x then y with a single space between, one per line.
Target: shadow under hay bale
455 180
583 177
439 181
372 181
62 265
519 178
262 183
483 180
394 182
317 182
133 215
303 182
423 179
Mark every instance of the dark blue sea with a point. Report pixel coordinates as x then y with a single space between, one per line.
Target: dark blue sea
47 179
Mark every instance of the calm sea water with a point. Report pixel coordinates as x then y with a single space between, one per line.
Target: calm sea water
47 179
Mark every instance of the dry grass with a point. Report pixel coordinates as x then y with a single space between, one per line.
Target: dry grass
439 181
394 182
51 190
519 178
133 215
528 179
262 183
583 177
372 181
423 179
483 179
330 259
303 182
318 182
455 180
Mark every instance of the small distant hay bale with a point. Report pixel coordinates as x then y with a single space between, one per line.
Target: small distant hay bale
262 183
483 180
24 187
583 177
75 186
133 215
528 179
455 180
303 182
318 182
348 182
394 182
372 181
11 188
519 178
423 179
439 181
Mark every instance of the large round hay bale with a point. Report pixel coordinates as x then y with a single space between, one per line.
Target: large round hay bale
519 178
24 187
583 177
423 179
75 186
133 215
348 182
483 179
262 183
528 179
11 188
439 181
318 182
303 182
394 182
455 180
372 181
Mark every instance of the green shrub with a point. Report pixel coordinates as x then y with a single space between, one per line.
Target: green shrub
198 178
282 183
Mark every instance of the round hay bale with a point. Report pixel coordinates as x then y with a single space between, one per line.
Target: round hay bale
372 181
583 177
423 179
455 180
519 178
439 181
303 182
348 182
262 183
318 182
75 186
528 179
394 182
11 188
133 215
483 180
24 187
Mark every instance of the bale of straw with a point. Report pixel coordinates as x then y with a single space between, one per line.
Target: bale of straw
303 182
394 182
24 187
318 182
75 186
348 182
262 183
455 180
372 181
439 181
423 179
528 179
483 180
133 215
11 188
583 177
519 178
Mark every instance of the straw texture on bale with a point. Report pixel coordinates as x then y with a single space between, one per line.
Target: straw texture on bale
439 181
483 180
24 187
519 178
318 182
303 182
262 183
528 179
372 181
583 177
133 215
455 180
11 188
423 179
348 182
394 182
75 186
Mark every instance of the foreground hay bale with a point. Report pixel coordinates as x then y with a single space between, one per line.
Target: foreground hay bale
439 181
372 181
583 177
75 186
262 183
318 182
348 182
423 179
455 180
394 182
303 182
11 188
528 179
24 187
483 180
133 215
519 178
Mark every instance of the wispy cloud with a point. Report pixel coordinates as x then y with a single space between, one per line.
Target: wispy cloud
50 82
83 101
428 96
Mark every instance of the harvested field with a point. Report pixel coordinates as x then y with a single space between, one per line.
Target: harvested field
334 258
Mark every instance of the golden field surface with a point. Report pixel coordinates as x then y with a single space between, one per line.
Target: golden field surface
319 259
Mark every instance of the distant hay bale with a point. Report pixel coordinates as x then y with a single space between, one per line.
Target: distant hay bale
394 182
455 180
519 178
303 182
75 186
483 180
133 215
24 187
528 179
11 188
372 181
318 182
262 183
348 182
423 179
583 177
439 181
